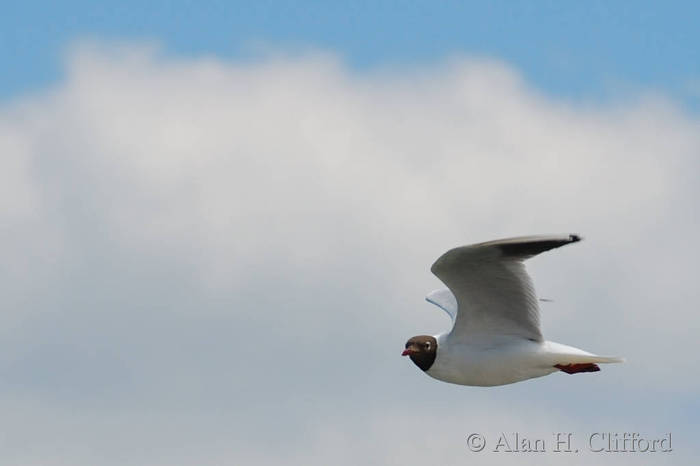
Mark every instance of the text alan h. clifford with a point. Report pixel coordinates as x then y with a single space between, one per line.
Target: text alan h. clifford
567 442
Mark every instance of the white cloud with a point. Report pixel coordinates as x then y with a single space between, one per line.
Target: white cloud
253 239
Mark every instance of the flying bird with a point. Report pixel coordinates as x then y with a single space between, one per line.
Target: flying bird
495 337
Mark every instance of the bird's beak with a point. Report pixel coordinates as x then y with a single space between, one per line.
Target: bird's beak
407 352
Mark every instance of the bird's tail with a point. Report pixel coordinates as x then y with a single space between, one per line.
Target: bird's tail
573 360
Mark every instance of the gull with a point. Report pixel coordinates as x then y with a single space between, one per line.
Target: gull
495 337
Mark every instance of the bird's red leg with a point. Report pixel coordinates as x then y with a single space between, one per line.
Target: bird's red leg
576 368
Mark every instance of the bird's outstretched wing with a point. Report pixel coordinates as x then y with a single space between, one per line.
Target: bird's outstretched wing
445 300
494 293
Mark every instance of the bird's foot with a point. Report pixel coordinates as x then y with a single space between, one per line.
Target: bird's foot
576 368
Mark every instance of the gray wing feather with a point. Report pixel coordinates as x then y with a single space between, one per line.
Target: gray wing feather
445 300
494 293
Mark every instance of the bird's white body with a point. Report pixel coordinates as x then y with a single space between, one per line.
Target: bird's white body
503 360
495 337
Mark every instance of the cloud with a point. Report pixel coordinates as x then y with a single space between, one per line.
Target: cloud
220 260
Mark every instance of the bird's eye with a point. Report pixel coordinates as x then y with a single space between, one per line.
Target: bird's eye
427 345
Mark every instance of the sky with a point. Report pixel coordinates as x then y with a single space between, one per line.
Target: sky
595 49
217 223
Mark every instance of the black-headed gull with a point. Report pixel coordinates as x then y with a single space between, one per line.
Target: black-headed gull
495 337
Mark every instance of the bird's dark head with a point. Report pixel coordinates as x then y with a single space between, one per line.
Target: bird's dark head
422 351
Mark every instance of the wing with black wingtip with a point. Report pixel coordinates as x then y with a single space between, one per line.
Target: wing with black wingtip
494 293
